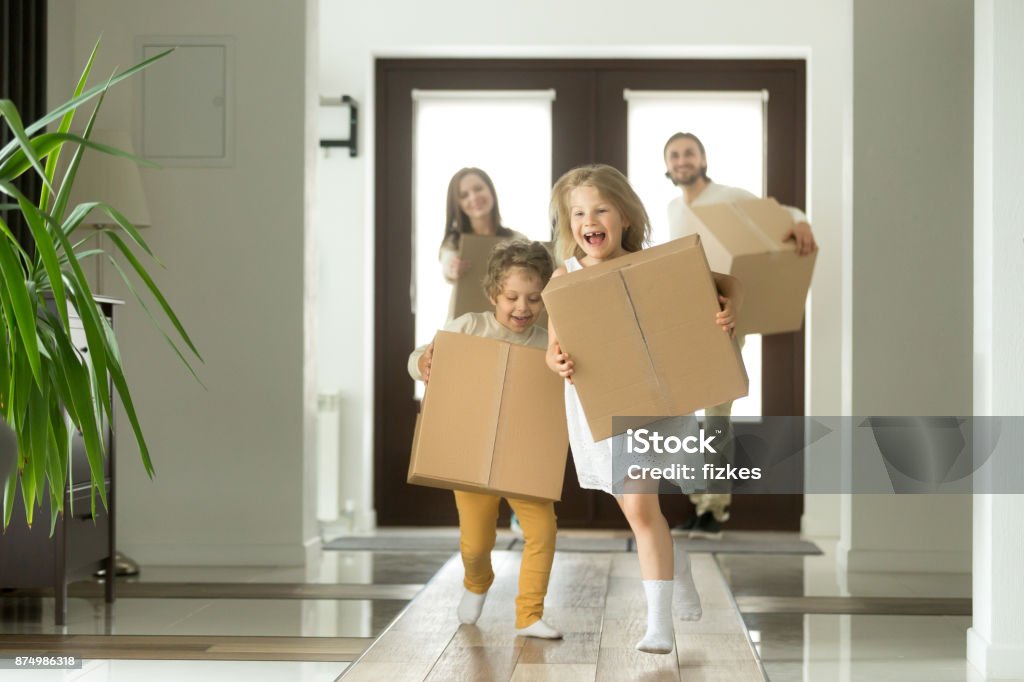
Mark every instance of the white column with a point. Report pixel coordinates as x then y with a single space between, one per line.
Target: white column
910 323
995 643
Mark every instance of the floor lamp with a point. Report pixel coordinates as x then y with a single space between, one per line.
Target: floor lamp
113 180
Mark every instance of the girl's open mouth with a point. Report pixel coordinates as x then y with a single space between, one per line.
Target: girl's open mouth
594 238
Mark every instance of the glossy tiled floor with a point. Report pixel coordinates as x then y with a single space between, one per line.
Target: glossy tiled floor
226 617
811 647
793 646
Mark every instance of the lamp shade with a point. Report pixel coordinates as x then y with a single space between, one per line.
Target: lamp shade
111 179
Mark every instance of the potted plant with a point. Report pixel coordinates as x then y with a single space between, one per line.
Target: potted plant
47 387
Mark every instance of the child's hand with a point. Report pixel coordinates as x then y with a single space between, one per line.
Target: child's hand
456 268
726 317
560 363
801 234
424 362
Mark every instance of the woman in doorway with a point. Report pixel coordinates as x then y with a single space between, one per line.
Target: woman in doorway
472 208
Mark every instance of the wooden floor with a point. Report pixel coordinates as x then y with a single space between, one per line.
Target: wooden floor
595 599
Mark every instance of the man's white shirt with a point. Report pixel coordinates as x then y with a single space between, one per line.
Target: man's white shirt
683 222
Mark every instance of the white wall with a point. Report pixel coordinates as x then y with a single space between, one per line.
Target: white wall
999 211
232 461
910 327
912 206
995 642
352 34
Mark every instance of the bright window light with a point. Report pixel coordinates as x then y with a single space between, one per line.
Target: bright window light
505 133
731 126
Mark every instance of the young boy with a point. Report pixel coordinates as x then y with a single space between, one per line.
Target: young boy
517 272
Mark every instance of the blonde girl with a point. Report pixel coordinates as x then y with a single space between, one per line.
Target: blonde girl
599 217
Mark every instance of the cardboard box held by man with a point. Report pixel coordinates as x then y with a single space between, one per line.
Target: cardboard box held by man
744 239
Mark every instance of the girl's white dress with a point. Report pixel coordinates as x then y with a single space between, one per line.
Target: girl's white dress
595 461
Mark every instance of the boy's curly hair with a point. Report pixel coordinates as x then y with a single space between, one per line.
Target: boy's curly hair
516 253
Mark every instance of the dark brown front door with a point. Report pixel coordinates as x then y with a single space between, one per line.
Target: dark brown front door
588 126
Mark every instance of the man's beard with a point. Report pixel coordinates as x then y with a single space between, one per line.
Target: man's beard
690 179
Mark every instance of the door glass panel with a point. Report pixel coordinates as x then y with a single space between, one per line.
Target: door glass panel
731 126
507 134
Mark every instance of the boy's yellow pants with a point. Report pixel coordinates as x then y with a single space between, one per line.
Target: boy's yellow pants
478 518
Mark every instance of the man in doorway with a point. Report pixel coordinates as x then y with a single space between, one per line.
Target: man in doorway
686 165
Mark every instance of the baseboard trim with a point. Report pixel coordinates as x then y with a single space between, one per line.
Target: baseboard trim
366 521
994 662
902 561
314 546
811 526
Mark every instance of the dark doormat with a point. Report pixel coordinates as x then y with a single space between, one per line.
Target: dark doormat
749 542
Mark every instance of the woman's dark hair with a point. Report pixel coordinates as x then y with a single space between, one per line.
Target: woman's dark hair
456 221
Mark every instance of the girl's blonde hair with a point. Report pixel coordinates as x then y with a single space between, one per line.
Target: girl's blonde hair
614 188
516 254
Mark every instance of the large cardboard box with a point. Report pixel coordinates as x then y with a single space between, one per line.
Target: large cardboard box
641 331
492 420
744 239
468 292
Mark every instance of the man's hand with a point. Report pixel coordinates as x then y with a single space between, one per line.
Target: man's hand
801 234
424 363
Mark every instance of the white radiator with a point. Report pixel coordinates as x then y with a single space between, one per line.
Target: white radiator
328 455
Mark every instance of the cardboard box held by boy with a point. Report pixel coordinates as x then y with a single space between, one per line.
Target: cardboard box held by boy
641 332
492 420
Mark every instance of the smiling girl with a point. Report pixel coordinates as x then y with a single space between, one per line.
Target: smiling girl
599 217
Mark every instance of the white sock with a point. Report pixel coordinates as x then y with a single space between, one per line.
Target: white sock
686 600
470 606
660 637
539 629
